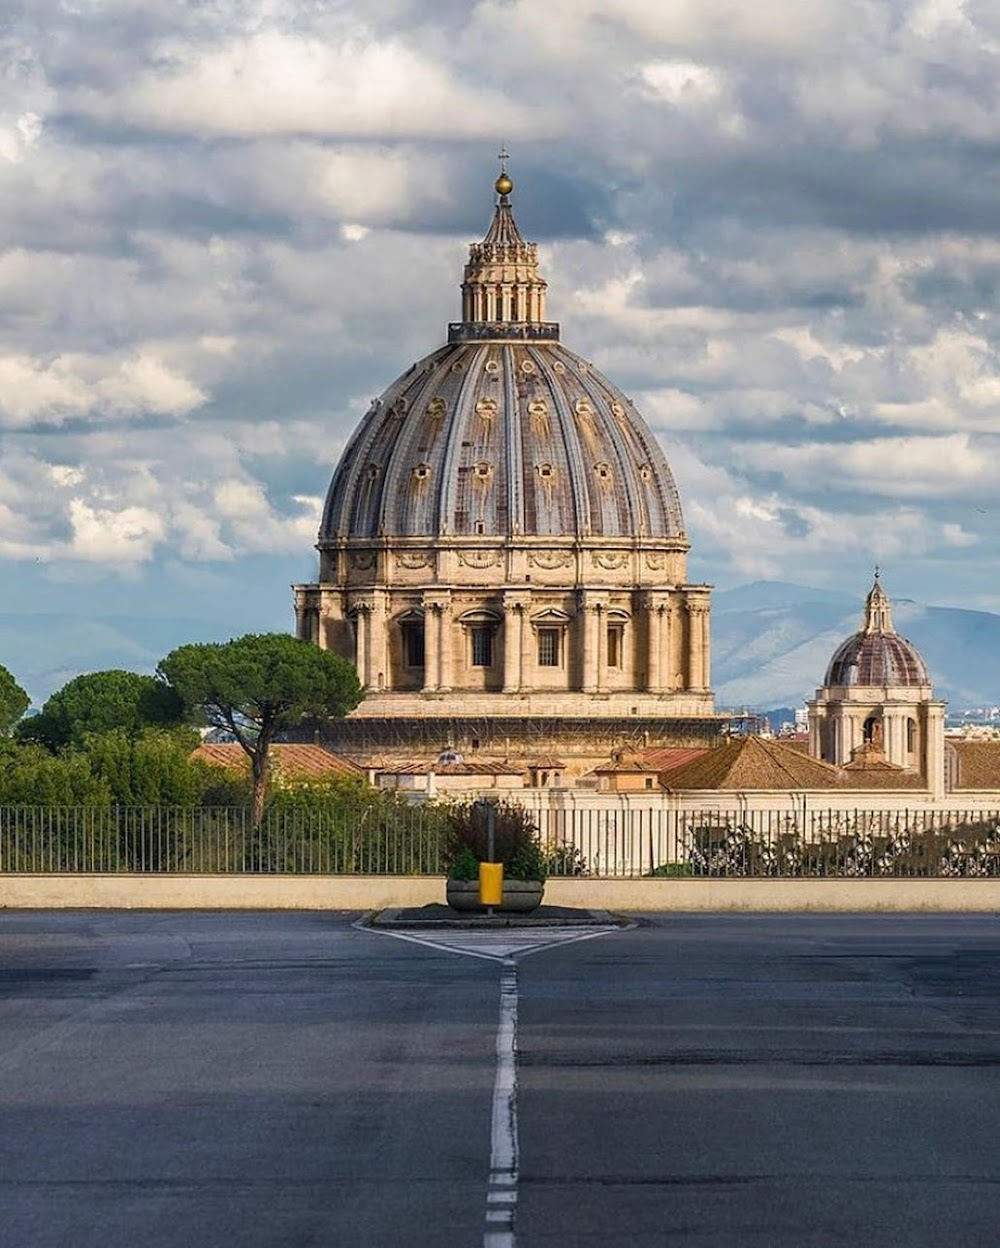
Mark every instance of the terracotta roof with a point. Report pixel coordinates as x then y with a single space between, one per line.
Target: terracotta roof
978 764
753 763
300 761
889 777
481 768
666 757
551 761
627 762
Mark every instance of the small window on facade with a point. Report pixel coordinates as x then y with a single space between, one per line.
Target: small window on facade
911 736
546 472
649 782
615 647
548 647
422 472
413 644
482 646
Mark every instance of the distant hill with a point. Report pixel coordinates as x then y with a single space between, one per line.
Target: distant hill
771 642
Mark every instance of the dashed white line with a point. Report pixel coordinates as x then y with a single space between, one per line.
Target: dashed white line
501 1193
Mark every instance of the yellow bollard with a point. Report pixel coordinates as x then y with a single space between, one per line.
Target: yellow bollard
490 883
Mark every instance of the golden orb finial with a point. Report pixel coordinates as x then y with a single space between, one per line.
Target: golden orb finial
503 185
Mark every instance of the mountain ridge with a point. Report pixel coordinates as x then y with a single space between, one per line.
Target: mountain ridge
771 643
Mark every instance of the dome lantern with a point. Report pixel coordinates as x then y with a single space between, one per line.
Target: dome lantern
503 295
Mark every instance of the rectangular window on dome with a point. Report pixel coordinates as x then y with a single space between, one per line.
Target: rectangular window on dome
482 647
548 647
413 645
615 648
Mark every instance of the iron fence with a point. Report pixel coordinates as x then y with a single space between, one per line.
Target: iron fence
658 842
639 841
378 840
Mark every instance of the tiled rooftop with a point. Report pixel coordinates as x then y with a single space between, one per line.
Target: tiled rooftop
666 757
481 767
753 763
298 761
978 764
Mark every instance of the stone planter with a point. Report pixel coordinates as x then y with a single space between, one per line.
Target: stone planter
519 896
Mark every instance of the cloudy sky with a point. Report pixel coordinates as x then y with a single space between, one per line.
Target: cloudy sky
226 225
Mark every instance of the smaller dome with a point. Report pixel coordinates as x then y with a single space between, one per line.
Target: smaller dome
877 659
877 655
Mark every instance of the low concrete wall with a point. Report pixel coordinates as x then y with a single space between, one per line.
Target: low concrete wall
217 892
374 892
776 895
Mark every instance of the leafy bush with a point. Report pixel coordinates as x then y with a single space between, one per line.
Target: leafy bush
566 860
516 841
671 871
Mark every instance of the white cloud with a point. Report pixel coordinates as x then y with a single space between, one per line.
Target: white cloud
277 82
124 537
78 384
903 467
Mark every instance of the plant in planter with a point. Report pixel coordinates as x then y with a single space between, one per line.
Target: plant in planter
516 845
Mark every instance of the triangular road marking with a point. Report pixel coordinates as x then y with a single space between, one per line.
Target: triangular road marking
498 946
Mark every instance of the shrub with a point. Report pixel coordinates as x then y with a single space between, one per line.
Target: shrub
516 841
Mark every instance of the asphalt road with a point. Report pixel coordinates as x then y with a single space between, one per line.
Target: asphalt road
284 1079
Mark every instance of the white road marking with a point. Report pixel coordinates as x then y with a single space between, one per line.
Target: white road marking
498 945
501 1191
501 945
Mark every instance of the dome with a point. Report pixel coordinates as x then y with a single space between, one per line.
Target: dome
503 432
877 659
502 439
877 655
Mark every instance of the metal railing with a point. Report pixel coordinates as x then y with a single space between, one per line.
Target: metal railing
380 839
934 843
220 840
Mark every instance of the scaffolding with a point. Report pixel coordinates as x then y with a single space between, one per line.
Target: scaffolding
509 735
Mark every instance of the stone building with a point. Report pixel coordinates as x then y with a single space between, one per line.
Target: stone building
502 550
877 705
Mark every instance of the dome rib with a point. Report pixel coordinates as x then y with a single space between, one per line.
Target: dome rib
634 522
514 449
572 455
459 431
402 459
375 490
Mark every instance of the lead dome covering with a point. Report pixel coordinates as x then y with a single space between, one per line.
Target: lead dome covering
502 439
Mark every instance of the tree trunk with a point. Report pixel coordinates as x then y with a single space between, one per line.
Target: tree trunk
258 768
